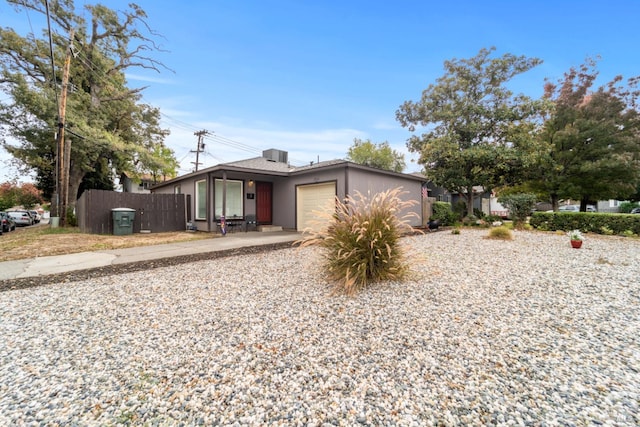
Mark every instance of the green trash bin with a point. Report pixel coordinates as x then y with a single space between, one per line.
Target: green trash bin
123 221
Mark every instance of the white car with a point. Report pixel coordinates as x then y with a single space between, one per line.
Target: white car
36 216
21 218
575 208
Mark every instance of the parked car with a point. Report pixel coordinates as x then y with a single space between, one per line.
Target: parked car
36 216
22 218
8 224
575 208
635 211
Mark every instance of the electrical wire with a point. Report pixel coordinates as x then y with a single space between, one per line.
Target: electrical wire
179 124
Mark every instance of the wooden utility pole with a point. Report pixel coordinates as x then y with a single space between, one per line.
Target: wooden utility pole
200 134
64 147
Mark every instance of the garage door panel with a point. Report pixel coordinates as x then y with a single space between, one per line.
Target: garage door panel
314 197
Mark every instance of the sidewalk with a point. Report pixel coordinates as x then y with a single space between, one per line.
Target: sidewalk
60 264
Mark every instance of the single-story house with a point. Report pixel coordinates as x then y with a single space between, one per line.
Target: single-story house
140 185
274 193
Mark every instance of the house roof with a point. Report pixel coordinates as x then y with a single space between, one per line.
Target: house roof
319 165
329 164
262 165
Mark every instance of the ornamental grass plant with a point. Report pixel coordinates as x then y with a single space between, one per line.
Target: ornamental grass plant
500 233
360 238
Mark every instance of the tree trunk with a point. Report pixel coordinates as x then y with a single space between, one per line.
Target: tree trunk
583 204
469 198
554 202
75 179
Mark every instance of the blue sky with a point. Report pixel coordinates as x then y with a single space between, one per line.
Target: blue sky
310 76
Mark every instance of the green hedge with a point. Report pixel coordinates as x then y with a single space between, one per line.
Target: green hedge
443 212
599 223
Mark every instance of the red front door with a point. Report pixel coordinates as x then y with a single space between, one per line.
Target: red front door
263 202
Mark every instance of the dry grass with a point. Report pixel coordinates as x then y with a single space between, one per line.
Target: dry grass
500 233
44 241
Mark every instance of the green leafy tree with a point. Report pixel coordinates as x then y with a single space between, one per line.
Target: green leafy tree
380 156
8 195
589 148
29 196
109 130
636 196
25 195
474 126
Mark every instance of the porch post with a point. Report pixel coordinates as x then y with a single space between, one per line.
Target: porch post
210 192
224 193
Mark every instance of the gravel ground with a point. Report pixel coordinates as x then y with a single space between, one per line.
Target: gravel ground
484 332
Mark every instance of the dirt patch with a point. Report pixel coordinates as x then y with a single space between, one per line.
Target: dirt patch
41 241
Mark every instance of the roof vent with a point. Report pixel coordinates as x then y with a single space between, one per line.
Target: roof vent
274 155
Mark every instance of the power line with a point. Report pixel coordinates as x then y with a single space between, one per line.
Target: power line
181 124
216 138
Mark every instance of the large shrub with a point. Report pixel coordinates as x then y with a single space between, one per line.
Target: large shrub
520 206
442 211
360 239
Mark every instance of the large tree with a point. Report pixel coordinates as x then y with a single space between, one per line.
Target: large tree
380 156
473 124
109 129
589 148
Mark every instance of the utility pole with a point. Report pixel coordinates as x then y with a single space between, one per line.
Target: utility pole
64 147
200 134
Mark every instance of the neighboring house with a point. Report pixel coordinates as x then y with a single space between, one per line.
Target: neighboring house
481 200
440 194
609 206
140 186
277 194
485 201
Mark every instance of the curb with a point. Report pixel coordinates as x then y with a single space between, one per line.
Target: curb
91 273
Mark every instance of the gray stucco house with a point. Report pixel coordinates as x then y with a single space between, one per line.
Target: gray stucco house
272 192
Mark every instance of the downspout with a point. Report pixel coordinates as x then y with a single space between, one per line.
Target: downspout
346 181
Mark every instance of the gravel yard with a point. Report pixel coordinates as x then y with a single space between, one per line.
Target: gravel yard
522 332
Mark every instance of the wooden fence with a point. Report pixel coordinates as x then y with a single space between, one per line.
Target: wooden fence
154 212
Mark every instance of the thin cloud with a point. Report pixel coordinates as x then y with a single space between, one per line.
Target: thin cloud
139 78
230 141
386 125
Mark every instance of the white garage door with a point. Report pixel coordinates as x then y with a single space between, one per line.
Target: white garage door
314 197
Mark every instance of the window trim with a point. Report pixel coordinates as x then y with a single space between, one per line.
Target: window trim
217 200
200 204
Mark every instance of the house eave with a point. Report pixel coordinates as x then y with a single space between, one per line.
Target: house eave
329 165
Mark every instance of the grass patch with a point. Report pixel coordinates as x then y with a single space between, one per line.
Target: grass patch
57 230
42 240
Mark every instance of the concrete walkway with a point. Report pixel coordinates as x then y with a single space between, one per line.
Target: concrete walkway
43 266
